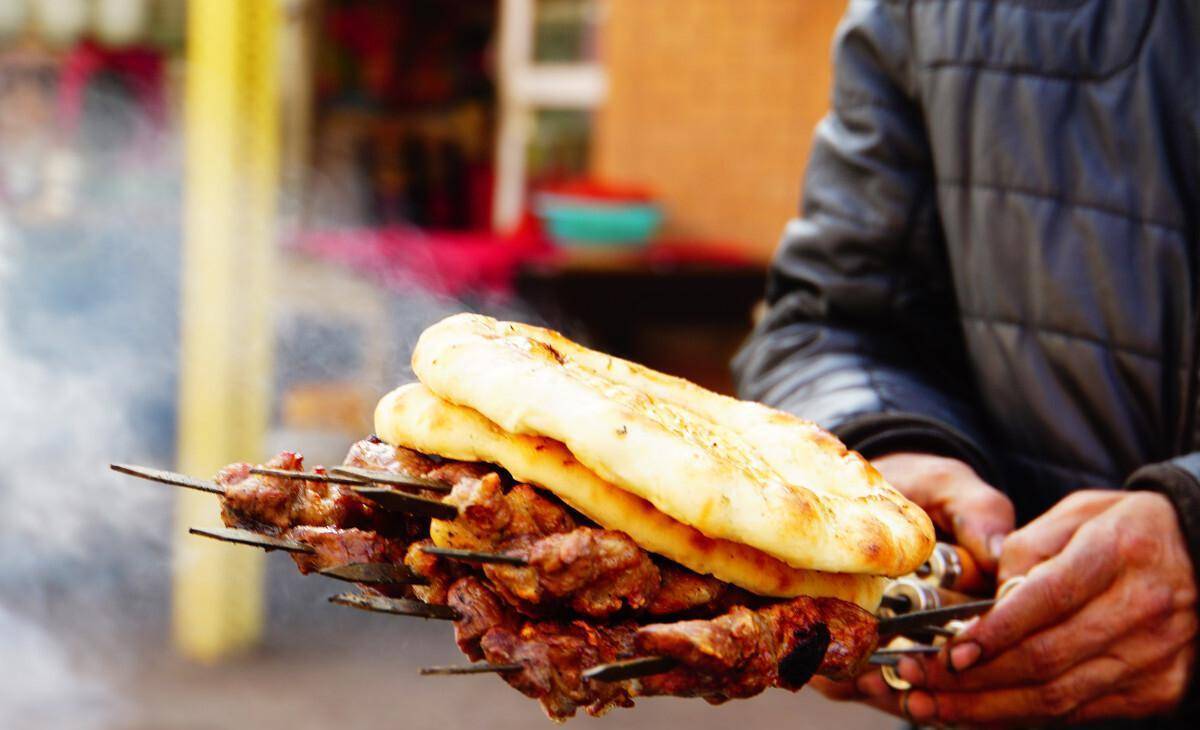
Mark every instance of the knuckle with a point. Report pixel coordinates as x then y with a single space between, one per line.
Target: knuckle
1044 657
1019 545
941 472
1059 698
1136 546
1050 592
1157 602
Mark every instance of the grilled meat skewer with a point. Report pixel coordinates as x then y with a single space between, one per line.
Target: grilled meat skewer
592 572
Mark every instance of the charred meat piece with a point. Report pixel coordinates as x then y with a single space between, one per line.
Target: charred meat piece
492 519
440 573
594 573
738 654
746 651
553 655
257 501
684 592
374 454
336 547
481 611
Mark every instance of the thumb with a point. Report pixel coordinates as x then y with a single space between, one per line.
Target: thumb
980 522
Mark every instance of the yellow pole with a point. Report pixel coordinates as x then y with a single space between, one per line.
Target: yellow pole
231 146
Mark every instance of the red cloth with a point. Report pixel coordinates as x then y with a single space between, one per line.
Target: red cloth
450 263
459 263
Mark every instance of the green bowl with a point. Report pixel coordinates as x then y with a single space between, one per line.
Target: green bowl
573 221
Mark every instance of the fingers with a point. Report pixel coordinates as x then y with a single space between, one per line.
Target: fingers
981 518
1156 692
1052 591
1046 536
1056 699
1042 656
1135 677
958 501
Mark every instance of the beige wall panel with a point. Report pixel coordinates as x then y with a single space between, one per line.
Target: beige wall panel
712 104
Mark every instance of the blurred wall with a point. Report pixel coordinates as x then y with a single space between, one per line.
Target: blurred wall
712 104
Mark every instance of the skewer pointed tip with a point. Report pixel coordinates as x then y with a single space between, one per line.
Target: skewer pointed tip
253 539
168 477
470 669
374 574
629 669
395 606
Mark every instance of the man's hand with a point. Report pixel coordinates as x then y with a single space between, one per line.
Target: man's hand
975 514
962 505
1103 627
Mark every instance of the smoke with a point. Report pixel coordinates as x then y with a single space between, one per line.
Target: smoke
87 366
89 272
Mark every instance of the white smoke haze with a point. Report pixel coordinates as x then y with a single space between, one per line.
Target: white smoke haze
88 376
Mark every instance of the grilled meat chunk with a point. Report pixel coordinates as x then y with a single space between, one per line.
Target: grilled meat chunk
492 519
736 655
682 591
481 610
440 573
553 655
744 651
372 453
592 572
336 547
254 500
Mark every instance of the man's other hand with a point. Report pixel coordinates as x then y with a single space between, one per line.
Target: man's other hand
1103 626
975 514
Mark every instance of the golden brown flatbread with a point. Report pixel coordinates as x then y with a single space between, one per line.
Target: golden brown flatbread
733 470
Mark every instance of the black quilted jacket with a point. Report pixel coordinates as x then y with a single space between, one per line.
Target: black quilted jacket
997 256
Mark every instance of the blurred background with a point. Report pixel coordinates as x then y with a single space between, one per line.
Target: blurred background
223 224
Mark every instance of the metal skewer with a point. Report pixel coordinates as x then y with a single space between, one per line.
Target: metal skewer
394 501
307 476
396 606
374 574
899 651
253 539
472 556
629 669
168 477
646 666
483 668
395 480
922 620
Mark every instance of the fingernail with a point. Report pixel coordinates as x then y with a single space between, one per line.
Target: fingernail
911 671
996 546
964 655
919 707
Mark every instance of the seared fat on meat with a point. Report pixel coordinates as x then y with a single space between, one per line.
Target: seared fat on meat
413 417
733 470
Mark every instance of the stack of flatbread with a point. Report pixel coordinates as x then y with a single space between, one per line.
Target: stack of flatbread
750 495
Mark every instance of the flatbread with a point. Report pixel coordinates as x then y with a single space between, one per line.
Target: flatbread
734 470
413 417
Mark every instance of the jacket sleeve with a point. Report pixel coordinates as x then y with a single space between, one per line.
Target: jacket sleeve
861 333
1178 479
